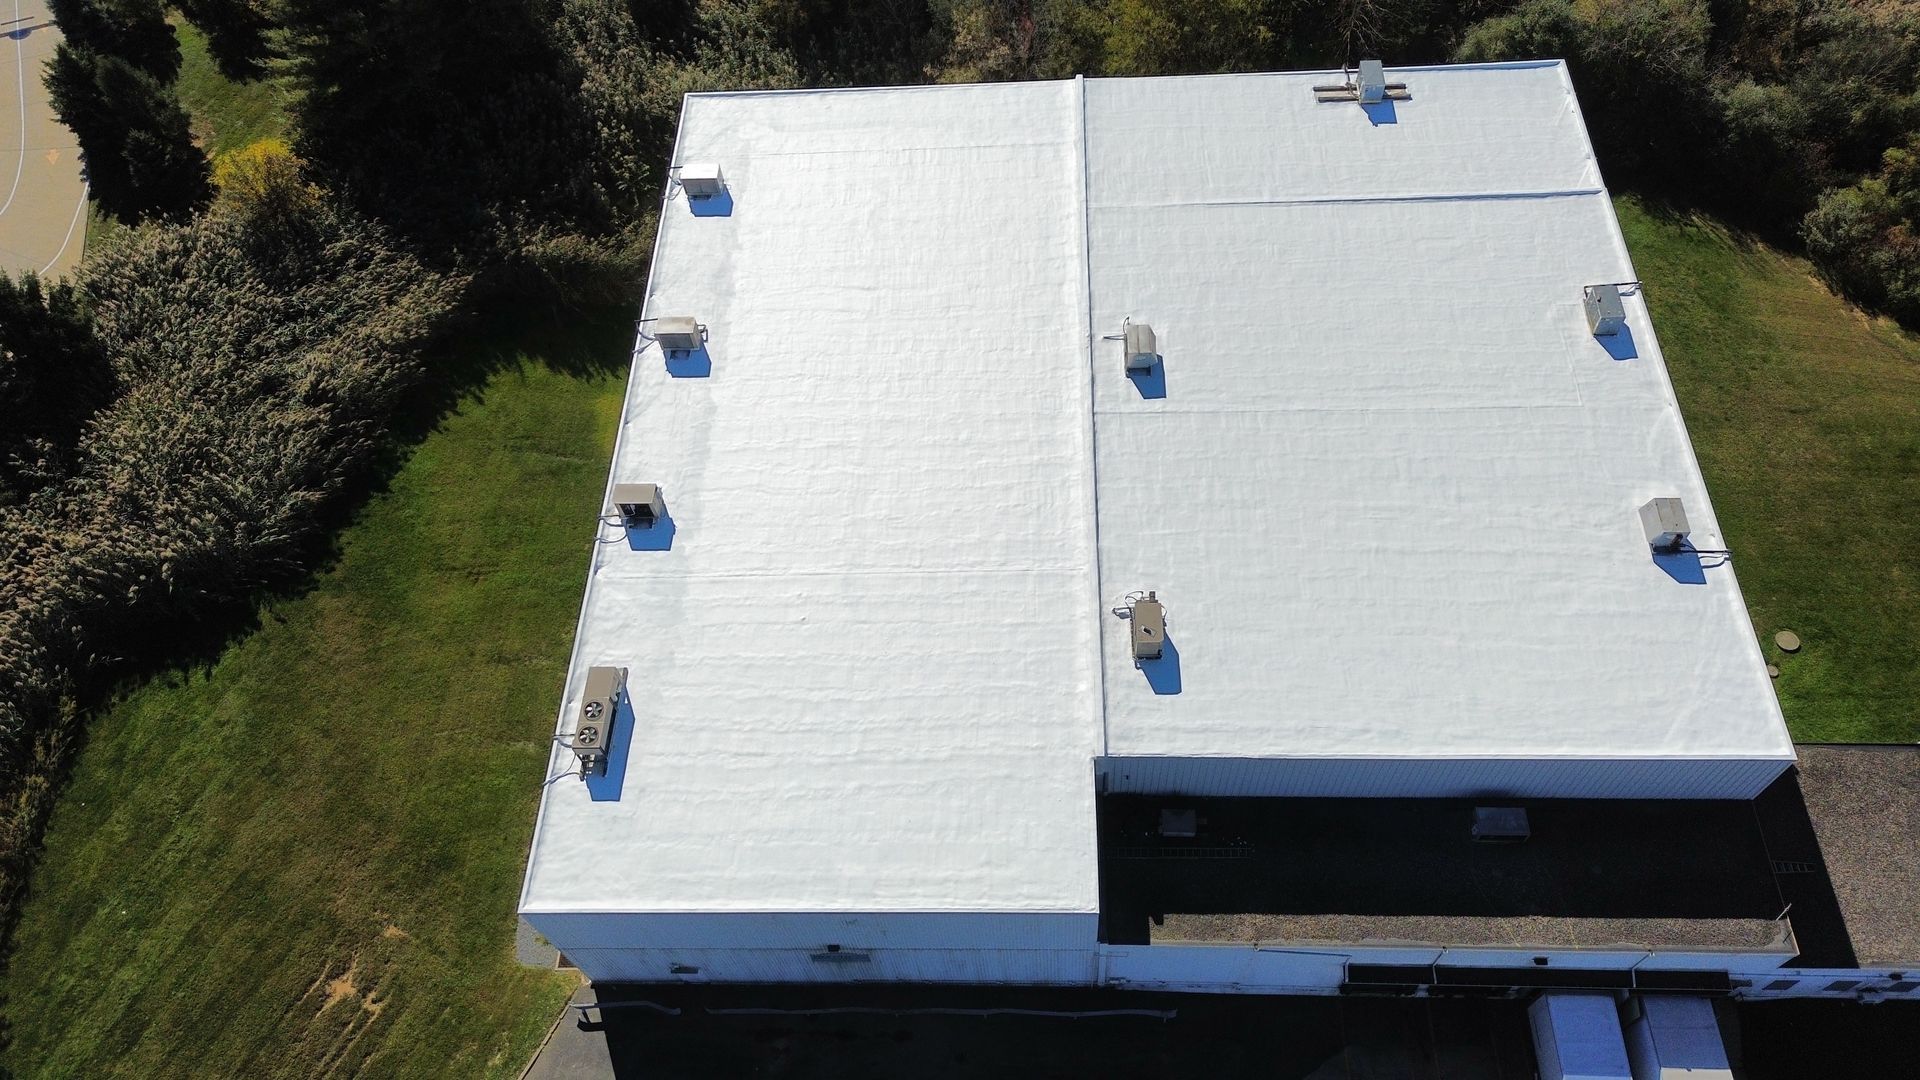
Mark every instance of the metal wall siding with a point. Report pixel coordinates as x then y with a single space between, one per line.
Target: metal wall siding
1438 777
814 930
1732 962
975 966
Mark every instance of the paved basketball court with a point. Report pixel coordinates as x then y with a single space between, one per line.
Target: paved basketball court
42 197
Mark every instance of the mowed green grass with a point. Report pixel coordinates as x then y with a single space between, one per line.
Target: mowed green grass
226 115
1806 418
304 859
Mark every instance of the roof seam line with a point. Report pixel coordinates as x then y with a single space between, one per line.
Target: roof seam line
1093 412
958 571
1356 200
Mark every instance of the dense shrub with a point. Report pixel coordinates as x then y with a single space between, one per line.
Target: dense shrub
1866 238
260 353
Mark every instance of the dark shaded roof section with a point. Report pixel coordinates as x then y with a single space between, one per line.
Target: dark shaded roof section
1526 931
1601 871
1864 804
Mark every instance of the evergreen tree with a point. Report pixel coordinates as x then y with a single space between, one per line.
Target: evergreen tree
463 135
134 31
134 136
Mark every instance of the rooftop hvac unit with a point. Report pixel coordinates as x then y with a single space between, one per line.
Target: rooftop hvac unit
701 180
1149 623
1143 349
1605 314
593 731
1372 82
639 505
1665 522
679 333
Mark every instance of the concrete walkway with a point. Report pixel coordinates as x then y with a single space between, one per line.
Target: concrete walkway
43 201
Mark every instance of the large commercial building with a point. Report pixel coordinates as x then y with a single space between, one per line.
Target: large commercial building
1114 531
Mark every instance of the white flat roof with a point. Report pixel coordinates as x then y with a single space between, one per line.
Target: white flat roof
1386 482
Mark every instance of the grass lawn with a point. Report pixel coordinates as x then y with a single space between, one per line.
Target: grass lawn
226 115
1806 418
303 857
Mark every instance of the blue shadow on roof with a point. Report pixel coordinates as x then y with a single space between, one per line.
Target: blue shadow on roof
658 538
606 787
689 363
1381 112
1152 383
1683 566
1163 675
1620 346
720 205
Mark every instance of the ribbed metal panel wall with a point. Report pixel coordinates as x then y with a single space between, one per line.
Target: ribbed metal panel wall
985 947
1441 778
1022 967
816 930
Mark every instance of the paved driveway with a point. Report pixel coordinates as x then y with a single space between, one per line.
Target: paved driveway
42 198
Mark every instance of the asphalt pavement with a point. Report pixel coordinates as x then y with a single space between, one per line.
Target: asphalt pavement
43 200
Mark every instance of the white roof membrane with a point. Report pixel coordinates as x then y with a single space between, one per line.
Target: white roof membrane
1384 480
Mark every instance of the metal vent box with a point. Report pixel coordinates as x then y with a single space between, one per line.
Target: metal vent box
1372 82
1179 824
1143 350
677 333
701 180
1500 824
1605 314
639 505
599 702
1665 521
1149 624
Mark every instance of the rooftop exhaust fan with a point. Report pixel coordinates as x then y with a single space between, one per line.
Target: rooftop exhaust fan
1368 86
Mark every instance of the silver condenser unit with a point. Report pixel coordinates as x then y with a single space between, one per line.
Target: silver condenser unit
593 731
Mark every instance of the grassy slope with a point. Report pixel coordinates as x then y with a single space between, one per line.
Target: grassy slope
348 790
1806 418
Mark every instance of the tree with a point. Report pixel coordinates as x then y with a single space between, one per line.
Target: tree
53 375
1641 69
462 135
1865 239
134 31
134 137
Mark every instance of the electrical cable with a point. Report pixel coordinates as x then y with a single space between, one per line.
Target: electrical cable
551 780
